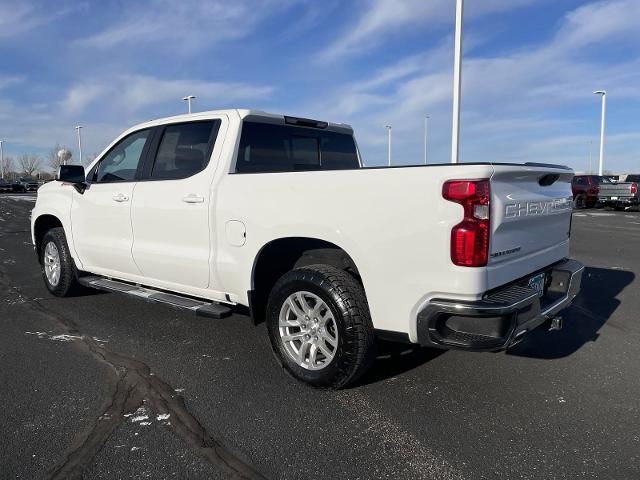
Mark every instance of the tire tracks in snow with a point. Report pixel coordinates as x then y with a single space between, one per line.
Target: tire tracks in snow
136 385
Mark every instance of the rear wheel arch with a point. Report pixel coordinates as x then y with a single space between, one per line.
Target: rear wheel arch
282 255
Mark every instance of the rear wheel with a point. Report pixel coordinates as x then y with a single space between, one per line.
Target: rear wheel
319 326
580 201
58 270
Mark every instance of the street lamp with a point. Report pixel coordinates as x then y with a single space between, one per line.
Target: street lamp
602 93
78 127
457 82
188 99
1 161
426 137
388 127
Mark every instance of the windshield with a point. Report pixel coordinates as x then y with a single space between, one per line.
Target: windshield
602 180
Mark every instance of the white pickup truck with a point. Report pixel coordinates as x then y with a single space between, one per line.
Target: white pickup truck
229 208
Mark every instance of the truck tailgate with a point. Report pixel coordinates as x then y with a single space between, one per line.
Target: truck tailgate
530 219
608 190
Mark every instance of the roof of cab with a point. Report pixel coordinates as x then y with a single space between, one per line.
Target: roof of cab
241 112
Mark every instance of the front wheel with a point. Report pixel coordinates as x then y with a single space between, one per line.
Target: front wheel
319 326
58 270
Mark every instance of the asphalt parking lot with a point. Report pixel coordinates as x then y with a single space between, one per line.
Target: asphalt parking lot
103 386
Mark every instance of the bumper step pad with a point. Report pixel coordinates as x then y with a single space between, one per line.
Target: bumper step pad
202 308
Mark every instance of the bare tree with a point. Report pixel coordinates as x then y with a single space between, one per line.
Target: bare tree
29 163
87 159
9 165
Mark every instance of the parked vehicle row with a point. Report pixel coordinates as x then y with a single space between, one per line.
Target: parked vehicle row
594 190
21 185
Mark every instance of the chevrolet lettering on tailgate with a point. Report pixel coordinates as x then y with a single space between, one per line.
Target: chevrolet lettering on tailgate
546 207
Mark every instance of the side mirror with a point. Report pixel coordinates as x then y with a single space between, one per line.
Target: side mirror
72 174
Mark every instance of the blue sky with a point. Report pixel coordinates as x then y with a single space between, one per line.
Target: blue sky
529 70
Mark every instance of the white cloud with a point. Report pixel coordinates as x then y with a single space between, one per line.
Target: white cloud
10 80
79 96
134 94
20 16
381 18
188 24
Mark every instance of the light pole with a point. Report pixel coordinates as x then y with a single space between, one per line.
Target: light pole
1 160
457 81
78 127
602 93
388 127
188 99
426 137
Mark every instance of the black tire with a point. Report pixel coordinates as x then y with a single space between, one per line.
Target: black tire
580 201
68 275
345 297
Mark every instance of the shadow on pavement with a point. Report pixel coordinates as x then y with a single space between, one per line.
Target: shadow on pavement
396 358
592 308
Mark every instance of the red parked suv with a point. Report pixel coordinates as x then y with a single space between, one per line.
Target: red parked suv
585 190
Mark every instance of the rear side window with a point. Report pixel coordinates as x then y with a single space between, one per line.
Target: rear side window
266 147
184 149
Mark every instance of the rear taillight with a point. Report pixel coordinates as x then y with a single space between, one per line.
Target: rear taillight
470 238
634 188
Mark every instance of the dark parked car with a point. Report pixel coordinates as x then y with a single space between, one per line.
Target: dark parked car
585 190
5 186
25 185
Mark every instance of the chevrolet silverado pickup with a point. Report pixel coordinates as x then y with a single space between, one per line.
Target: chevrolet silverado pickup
223 209
620 194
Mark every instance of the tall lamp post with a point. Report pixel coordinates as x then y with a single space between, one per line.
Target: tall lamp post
603 94
388 127
426 137
78 128
457 81
188 99
1 160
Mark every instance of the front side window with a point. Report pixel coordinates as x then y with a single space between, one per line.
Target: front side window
184 149
121 163
266 147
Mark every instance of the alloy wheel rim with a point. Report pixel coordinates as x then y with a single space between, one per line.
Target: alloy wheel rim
308 330
52 264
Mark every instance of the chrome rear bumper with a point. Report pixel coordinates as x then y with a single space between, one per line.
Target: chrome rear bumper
503 315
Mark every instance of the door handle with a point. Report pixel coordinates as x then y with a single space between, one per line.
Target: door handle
193 198
120 197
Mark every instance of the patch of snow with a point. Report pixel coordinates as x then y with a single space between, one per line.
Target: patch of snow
64 338
57 338
133 449
163 416
145 423
139 418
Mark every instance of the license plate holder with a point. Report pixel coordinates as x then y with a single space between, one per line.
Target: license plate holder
537 283
614 198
